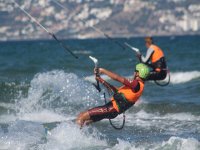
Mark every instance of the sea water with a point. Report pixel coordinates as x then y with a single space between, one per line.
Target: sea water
43 88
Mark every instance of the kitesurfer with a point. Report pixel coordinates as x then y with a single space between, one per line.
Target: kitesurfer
124 97
155 59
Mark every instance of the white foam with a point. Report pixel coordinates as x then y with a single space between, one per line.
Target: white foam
174 143
181 144
69 136
183 77
169 116
45 116
24 135
21 136
140 102
58 91
7 118
82 52
7 105
172 123
124 145
181 117
53 96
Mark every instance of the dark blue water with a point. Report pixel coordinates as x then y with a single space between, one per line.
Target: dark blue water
41 84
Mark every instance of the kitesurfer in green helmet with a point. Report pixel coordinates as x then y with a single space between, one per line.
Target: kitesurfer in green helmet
124 97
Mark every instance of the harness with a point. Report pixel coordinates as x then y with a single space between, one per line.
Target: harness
120 99
122 102
161 64
169 78
110 121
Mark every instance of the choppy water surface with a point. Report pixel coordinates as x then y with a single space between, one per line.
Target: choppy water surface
43 88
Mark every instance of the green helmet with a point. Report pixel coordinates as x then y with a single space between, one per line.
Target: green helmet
143 70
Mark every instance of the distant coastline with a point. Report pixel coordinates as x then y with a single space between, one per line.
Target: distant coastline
126 18
103 37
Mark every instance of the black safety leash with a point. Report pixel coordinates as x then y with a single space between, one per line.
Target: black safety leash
97 85
109 90
165 84
110 121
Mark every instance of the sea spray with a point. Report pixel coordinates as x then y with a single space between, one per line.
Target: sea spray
59 92
22 135
68 136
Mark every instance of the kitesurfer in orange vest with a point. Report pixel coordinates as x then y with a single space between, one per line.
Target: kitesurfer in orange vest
124 97
155 59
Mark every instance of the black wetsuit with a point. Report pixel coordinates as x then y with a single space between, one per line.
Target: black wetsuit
155 75
160 64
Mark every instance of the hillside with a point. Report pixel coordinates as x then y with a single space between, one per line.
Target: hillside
118 18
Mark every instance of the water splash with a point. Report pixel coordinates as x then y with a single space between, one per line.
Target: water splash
69 136
58 91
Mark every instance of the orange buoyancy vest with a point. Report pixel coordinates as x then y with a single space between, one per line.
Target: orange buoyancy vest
129 94
158 53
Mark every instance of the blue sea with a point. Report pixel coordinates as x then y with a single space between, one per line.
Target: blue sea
43 88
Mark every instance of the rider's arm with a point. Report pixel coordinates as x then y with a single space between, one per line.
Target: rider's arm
149 53
118 78
106 84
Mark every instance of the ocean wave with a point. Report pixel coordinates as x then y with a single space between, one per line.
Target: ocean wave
57 96
169 116
50 96
176 77
23 135
13 85
57 90
45 116
7 118
164 107
173 143
69 136
84 52
183 77
9 106
171 123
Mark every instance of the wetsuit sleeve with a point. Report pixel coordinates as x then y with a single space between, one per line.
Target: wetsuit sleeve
132 84
149 53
